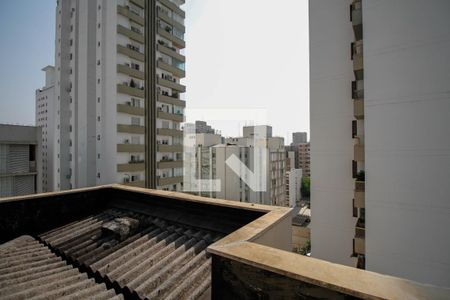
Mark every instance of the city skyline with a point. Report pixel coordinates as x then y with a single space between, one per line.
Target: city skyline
226 66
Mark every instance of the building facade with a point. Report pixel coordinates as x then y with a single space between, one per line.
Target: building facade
302 157
20 160
209 163
293 186
299 138
118 92
380 169
46 120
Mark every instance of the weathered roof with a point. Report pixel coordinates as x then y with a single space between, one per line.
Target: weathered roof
29 270
155 259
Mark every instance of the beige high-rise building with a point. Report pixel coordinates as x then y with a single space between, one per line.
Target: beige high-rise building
119 99
380 152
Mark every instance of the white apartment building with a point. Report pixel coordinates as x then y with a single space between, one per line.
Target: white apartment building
293 186
119 102
380 152
46 119
245 148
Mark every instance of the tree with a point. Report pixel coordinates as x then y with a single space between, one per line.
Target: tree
306 248
306 187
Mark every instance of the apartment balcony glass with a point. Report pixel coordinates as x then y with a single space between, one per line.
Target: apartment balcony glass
356 18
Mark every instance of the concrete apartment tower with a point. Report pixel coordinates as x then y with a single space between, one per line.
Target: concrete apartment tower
380 114
299 138
20 160
118 93
301 149
46 119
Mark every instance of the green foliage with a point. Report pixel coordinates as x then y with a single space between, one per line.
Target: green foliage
361 176
306 187
305 249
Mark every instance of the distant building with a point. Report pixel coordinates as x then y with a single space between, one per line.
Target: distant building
20 160
293 186
203 127
210 163
46 119
302 154
299 138
290 160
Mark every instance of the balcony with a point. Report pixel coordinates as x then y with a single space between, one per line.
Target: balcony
138 37
131 167
130 148
357 19
171 100
32 166
170 51
131 52
173 7
172 85
360 194
360 236
358 60
131 110
139 183
168 19
124 69
172 69
359 152
134 129
171 117
169 180
139 3
169 132
167 33
358 109
126 12
132 91
170 148
170 164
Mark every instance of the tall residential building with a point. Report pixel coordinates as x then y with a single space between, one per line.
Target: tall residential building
380 113
302 155
248 148
209 163
290 160
293 186
46 119
299 138
203 127
119 98
20 160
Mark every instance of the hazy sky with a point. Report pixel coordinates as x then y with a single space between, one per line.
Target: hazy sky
241 55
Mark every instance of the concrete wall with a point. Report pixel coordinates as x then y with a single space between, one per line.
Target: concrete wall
407 114
333 225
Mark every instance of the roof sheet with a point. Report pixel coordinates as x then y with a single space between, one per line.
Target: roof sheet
29 270
155 259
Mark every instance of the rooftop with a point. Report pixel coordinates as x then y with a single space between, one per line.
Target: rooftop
122 242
